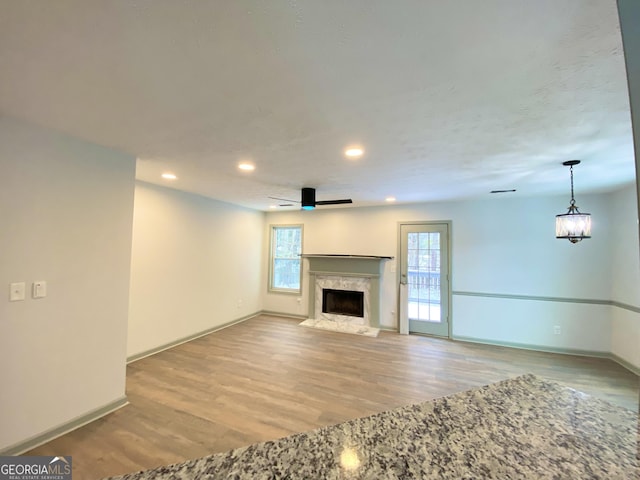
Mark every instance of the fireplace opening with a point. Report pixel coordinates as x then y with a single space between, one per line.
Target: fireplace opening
343 302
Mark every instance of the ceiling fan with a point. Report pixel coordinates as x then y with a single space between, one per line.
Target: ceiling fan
308 200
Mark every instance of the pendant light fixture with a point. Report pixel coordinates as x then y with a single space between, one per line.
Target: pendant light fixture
573 225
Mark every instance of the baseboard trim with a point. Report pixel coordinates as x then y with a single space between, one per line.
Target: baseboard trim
538 348
390 329
541 348
286 315
180 341
52 434
629 366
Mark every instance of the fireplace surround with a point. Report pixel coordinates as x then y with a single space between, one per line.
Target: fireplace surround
352 273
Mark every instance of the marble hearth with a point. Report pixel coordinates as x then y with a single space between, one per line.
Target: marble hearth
358 273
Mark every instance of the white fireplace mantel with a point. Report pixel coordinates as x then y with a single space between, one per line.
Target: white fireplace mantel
363 266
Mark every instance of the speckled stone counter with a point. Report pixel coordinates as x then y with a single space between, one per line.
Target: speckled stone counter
520 428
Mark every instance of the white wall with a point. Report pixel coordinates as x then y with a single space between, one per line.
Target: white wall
196 264
66 208
625 284
499 246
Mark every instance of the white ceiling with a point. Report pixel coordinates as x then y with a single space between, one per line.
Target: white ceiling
450 99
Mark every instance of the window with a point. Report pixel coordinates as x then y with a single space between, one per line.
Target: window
284 268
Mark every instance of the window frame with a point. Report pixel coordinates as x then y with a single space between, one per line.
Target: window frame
272 246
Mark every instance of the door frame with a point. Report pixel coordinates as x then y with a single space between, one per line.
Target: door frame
399 270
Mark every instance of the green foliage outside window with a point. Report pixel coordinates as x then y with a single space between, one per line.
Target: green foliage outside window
286 247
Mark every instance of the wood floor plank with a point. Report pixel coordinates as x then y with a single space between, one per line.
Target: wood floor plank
267 378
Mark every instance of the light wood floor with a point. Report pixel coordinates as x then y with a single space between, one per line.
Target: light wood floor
267 378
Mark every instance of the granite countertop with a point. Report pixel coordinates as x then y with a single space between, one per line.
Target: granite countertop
520 428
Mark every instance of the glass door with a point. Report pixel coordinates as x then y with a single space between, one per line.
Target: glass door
424 278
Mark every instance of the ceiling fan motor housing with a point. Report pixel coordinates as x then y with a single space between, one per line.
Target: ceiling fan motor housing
308 198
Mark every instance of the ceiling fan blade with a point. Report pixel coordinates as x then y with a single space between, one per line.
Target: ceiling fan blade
286 205
309 202
334 202
283 200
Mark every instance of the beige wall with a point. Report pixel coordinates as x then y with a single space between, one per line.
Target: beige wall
625 282
196 264
626 328
66 209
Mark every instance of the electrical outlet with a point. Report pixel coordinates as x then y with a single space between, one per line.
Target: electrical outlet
557 330
16 291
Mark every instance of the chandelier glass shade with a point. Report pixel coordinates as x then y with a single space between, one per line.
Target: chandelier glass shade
573 225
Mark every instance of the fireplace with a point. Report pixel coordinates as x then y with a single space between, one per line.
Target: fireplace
343 302
345 289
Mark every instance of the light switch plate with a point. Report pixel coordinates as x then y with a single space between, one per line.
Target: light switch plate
16 291
39 289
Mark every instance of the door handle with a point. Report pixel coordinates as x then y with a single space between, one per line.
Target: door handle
403 279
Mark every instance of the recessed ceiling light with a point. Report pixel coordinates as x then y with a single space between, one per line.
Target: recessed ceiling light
247 167
353 152
169 176
390 199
